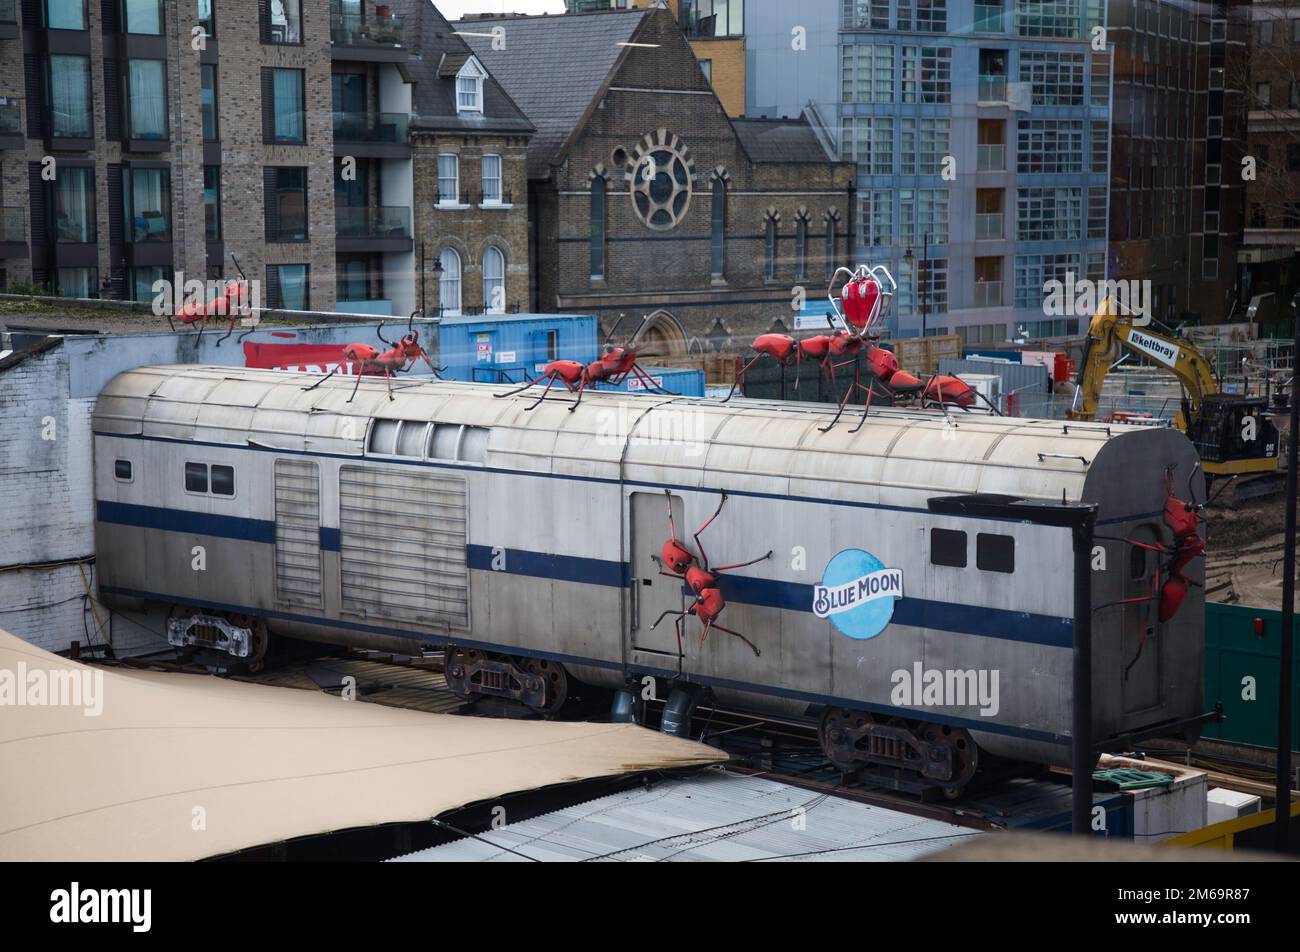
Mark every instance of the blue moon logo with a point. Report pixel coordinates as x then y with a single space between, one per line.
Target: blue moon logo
857 593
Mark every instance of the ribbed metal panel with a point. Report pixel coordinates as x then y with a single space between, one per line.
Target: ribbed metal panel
297 533
403 547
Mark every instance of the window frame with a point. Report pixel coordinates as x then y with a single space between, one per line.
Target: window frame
965 547
130 470
994 538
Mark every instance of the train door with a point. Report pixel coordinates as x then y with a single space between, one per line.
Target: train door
1141 636
651 594
297 534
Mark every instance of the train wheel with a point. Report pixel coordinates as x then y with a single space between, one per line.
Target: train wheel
454 661
256 659
965 755
556 680
837 724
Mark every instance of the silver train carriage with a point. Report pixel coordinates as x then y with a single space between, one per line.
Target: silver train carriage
529 543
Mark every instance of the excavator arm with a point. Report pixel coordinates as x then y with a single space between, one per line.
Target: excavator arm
1109 331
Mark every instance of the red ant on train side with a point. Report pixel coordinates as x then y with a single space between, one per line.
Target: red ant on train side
700 578
400 357
614 366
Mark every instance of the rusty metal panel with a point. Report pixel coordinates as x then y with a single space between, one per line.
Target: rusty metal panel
403 546
297 533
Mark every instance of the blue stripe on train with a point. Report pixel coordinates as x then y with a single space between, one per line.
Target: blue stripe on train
1050 630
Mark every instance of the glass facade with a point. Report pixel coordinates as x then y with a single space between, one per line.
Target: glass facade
71 115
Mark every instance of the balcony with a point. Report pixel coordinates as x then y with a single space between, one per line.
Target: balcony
11 122
988 226
13 233
993 89
8 19
991 157
988 293
372 135
990 18
375 39
373 228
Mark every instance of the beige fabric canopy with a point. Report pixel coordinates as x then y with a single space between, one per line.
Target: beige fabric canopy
180 767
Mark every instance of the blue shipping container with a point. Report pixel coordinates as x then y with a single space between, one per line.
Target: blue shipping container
513 348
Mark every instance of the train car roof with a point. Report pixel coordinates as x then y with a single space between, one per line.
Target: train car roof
898 456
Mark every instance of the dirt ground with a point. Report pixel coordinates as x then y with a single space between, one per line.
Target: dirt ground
1244 552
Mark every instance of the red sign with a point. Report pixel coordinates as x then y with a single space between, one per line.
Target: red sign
314 358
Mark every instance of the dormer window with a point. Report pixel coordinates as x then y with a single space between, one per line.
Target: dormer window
469 86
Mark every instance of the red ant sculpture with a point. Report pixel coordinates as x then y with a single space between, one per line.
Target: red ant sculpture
613 367
234 301
400 357
700 578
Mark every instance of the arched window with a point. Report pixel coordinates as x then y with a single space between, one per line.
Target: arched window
494 281
801 248
598 188
449 283
830 244
719 227
769 250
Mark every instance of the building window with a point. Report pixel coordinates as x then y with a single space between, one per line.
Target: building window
469 87
286 213
494 281
718 239
927 74
598 189
769 249
866 73
923 216
923 144
70 97
877 218
1033 272
65 14
74 205
1257 216
448 179
449 283
1056 78
491 180
1263 95
948 547
212 202
282 105
1049 214
866 14
801 248
1048 18
147 200
141 282
76 282
147 95
206 18
283 22
869 141
143 16
703 19
923 16
208 98
1050 146
831 222
706 67
988 282
288 286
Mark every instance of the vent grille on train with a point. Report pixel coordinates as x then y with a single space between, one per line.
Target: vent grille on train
297 533
402 538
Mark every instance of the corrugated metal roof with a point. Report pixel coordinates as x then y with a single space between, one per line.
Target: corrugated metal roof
780 140
712 816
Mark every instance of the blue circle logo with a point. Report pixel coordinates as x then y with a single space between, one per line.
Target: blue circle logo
857 594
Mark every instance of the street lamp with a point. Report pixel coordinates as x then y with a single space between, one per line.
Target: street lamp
924 274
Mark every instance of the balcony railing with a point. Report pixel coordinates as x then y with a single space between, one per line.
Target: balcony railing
353 29
990 18
11 115
988 226
388 127
993 89
8 11
12 224
991 157
988 293
373 221
454 198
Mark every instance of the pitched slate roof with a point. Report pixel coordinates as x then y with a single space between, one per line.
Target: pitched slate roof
439 53
780 140
553 67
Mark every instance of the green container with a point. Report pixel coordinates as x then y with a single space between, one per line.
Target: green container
1234 653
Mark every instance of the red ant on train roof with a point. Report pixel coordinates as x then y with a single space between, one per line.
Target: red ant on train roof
400 357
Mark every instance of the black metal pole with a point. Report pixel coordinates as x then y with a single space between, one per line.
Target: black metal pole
422 310
1082 758
1282 800
925 281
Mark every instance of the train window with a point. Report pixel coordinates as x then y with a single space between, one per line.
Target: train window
196 477
948 547
1137 562
383 436
223 480
410 441
995 553
473 447
446 440
122 470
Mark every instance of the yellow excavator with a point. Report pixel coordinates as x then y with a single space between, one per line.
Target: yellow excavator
1232 433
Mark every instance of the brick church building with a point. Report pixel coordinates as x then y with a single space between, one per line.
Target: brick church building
645 199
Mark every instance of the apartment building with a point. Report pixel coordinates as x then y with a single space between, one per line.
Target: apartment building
202 136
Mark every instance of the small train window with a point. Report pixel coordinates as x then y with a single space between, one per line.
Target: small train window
473 447
464 444
948 547
410 441
446 438
383 436
223 480
122 470
196 477
995 553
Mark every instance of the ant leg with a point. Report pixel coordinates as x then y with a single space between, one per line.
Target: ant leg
357 385
843 404
704 558
549 384
582 382
704 636
741 376
511 393
752 647
170 323
866 407
230 330
321 380
663 616
742 565
650 384
678 626
388 378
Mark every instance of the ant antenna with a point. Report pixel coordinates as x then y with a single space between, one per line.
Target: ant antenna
237 267
379 332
